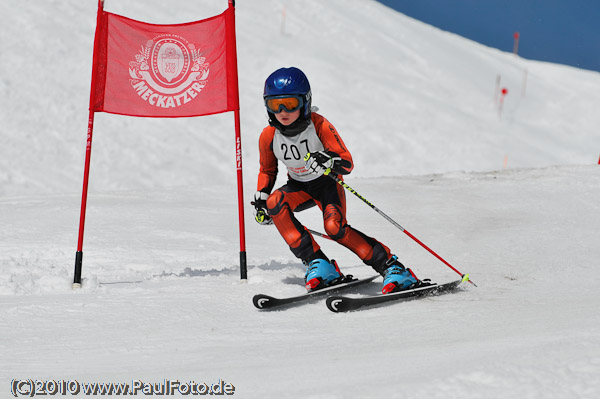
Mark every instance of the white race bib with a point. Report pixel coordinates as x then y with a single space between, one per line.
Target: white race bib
292 150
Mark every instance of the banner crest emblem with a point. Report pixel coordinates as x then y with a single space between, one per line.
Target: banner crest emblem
168 71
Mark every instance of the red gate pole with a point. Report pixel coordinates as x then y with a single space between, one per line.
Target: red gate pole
88 153
231 41
516 36
240 181
86 174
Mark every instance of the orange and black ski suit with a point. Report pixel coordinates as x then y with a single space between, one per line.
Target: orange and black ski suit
304 187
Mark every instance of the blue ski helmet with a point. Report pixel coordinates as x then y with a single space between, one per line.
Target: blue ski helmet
289 81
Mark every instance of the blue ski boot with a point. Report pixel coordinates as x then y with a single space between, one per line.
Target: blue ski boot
397 277
320 273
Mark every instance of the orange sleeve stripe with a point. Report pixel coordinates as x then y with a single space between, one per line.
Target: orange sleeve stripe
332 141
268 162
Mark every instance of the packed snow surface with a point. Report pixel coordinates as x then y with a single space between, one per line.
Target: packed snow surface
509 196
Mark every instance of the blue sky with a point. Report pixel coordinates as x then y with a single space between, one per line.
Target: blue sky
560 31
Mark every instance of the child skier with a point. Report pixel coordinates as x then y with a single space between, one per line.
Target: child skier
293 132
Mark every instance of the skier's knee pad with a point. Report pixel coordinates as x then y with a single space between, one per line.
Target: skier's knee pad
275 202
334 223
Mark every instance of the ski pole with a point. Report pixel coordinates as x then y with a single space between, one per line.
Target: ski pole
329 173
319 234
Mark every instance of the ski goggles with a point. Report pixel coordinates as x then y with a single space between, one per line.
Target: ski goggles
276 104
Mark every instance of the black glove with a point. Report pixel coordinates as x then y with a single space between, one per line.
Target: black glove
260 208
321 162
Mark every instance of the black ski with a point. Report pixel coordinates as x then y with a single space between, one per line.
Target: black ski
262 301
344 304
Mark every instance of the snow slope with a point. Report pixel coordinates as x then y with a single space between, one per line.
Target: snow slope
162 297
419 98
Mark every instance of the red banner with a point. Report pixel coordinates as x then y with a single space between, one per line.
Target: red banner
152 70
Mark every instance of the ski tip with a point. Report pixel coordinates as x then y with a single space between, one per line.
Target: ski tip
336 304
262 301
